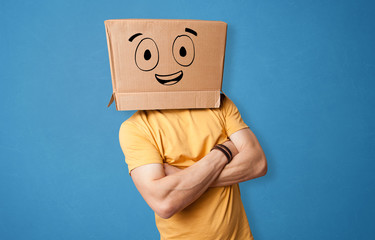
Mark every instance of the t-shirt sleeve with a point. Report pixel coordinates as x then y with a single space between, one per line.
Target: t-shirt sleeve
137 146
232 117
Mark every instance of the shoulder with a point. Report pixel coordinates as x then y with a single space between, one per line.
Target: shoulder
139 118
142 123
128 123
133 125
226 104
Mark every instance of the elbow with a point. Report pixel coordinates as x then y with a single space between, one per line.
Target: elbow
260 168
263 168
165 210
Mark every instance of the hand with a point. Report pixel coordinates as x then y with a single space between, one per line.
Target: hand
169 169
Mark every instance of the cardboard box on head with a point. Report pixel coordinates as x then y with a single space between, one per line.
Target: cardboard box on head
166 64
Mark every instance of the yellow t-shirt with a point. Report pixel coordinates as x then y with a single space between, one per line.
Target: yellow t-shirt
182 137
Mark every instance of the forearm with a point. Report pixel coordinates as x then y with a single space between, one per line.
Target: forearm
246 165
177 191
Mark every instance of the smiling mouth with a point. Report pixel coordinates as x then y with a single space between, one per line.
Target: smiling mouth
169 79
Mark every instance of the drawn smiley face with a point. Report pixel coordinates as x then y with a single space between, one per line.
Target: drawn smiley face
146 56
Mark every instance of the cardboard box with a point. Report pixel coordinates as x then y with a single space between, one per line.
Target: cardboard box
166 64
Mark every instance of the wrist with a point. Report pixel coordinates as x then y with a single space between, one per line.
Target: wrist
231 146
219 156
224 150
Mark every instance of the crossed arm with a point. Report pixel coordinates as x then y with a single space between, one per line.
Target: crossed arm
168 190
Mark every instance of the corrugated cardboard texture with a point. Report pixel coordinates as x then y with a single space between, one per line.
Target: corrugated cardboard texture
166 64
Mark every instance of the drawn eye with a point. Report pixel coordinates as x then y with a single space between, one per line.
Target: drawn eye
147 54
183 50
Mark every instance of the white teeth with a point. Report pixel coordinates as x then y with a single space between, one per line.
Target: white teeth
169 79
170 83
169 76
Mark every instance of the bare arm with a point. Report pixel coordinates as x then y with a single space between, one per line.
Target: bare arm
167 195
248 162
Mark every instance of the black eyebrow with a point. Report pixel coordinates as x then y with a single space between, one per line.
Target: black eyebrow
134 36
189 30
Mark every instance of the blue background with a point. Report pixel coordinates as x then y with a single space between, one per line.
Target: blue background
300 72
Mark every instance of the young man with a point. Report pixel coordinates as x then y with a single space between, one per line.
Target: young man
191 187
